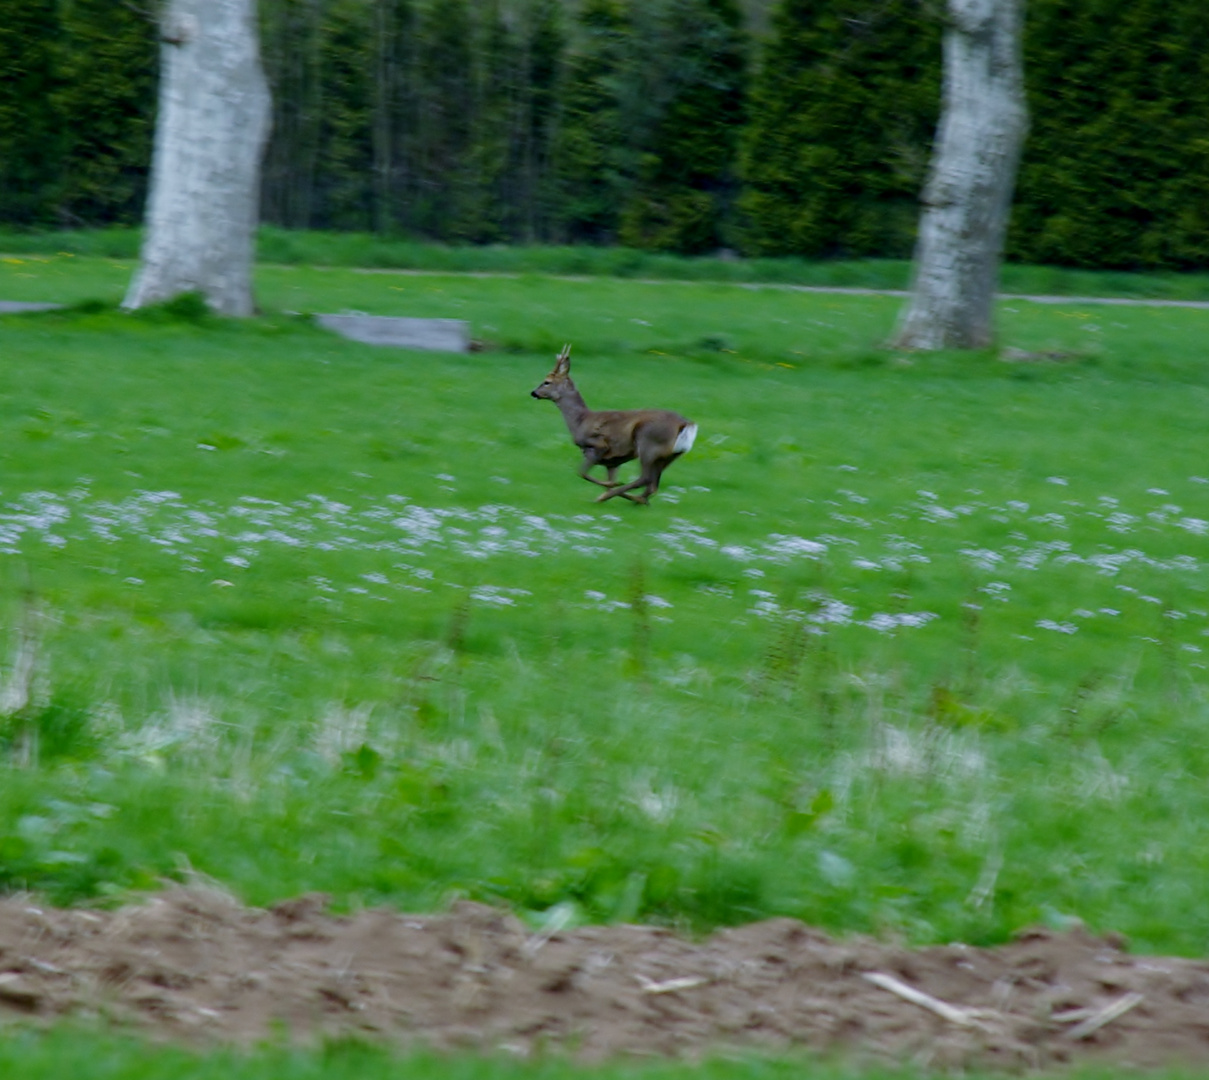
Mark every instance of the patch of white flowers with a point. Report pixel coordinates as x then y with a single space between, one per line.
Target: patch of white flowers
205 537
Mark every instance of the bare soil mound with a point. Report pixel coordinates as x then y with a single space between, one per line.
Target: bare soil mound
193 964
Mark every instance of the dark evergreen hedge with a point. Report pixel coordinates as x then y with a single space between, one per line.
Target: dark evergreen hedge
686 179
1116 167
77 87
841 116
631 120
1115 170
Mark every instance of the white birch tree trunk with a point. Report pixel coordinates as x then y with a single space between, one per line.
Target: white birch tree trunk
205 174
968 195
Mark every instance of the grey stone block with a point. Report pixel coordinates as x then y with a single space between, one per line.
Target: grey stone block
439 335
7 306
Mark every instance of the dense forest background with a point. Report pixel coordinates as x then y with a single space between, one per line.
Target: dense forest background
798 126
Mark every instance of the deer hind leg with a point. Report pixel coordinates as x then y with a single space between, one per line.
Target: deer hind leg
650 476
656 472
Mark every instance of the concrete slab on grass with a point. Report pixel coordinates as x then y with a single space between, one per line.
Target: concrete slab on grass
439 335
10 306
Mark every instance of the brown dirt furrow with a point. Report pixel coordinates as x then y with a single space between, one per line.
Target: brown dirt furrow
194 965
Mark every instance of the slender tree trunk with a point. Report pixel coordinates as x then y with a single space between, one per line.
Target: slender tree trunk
384 96
404 122
290 50
973 173
205 174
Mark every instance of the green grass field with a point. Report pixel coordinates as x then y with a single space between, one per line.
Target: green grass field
73 1054
906 645
66 1054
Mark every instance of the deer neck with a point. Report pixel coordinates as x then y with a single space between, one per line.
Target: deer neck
574 409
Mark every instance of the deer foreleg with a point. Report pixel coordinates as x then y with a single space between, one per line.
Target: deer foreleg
583 471
590 462
651 473
624 490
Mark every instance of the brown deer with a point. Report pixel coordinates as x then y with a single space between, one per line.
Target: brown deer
611 437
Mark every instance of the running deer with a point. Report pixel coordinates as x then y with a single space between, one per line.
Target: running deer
656 437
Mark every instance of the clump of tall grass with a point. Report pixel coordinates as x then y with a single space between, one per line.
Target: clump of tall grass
116 242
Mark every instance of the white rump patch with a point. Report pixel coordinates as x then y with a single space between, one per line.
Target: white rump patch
686 438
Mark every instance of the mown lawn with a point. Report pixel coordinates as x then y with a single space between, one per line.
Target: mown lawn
907 645
286 247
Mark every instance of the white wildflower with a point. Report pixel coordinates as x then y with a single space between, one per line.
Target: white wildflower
1061 628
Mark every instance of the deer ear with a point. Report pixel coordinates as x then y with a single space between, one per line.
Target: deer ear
563 364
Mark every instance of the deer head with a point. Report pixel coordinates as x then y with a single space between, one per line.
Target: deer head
558 382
